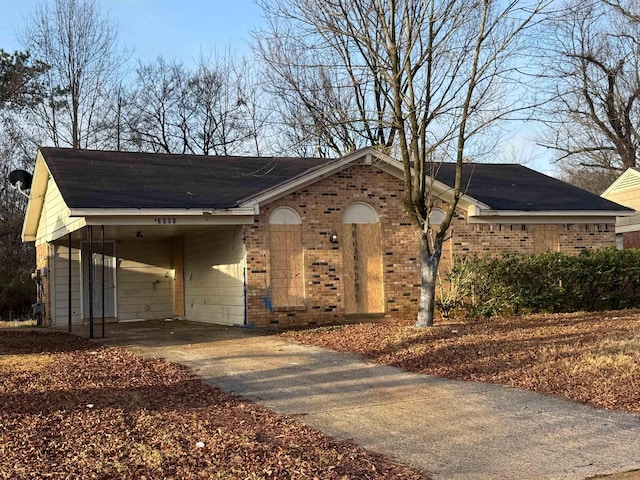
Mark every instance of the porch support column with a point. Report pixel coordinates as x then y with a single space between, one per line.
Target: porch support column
90 233
177 261
69 299
102 246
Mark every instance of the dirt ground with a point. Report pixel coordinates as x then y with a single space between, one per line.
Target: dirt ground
73 409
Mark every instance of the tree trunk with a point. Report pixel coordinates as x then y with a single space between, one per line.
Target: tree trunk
428 272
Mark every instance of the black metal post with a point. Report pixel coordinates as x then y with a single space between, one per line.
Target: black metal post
90 227
102 246
69 282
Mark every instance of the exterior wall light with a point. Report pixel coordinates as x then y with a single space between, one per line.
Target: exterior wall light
333 238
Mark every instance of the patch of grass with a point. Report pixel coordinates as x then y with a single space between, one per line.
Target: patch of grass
18 324
592 358
24 363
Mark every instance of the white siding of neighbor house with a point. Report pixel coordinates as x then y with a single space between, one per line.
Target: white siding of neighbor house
214 265
54 219
625 190
144 280
60 280
629 197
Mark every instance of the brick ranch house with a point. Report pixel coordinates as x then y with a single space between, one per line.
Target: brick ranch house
271 242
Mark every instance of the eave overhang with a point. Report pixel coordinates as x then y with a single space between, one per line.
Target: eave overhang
480 215
36 199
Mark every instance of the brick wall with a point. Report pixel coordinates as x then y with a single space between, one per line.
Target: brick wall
519 238
631 240
321 206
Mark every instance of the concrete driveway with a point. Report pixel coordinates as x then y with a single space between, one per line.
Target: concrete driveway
450 429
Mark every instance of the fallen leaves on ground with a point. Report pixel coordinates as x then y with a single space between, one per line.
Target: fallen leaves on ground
72 409
592 358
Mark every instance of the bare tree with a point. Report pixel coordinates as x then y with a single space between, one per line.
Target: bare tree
327 102
437 74
204 111
594 180
17 290
78 42
594 70
19 89
628 8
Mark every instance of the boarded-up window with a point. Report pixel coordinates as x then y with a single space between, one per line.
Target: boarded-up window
287 274
362 260
545 238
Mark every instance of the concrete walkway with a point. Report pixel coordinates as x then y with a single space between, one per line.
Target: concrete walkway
450 429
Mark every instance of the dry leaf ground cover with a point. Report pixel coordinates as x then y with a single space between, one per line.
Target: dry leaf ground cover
72 409
592 358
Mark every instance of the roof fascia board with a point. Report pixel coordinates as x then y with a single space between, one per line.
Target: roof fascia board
633 220
160 212
170 220
543 219
36 199
627 228
549 213
539 220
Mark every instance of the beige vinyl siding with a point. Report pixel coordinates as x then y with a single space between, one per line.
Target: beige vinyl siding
60 279
144 280
625 190
214 271
629 197
55 220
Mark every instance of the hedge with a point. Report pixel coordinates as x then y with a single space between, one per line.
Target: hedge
606 279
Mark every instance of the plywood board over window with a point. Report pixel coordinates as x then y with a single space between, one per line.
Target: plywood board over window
362 260
545 238
286 259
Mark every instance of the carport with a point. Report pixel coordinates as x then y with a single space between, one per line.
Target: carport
126 236
150 270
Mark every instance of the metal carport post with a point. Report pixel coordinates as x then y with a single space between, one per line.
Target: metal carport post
69 293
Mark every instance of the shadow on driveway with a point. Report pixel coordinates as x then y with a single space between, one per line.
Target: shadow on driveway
451 429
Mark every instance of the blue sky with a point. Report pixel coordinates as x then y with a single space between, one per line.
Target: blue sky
173 29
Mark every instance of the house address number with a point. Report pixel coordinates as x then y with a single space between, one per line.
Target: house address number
164 220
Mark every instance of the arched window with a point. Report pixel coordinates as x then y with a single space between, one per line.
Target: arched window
284 216
436 217
287 272
360 212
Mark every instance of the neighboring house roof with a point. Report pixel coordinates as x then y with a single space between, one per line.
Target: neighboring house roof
515 187
105 179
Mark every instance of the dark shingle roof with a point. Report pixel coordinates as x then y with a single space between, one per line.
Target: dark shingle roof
515 187
105 179
102 179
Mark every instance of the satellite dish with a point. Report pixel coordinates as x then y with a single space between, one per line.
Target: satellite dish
21 180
